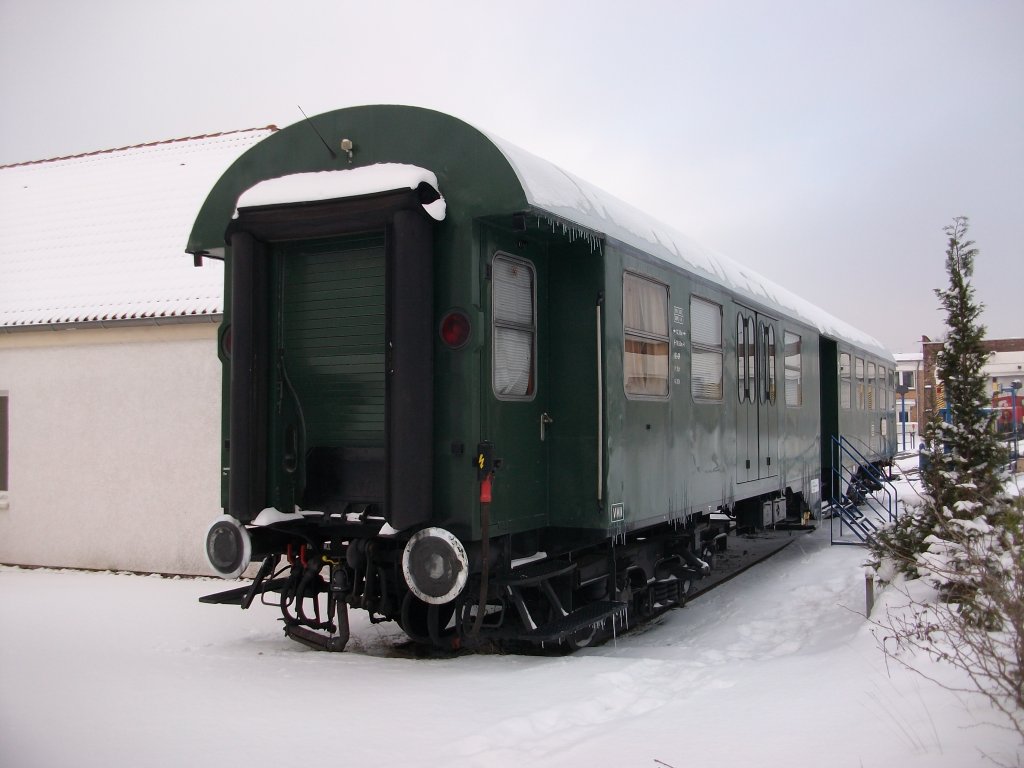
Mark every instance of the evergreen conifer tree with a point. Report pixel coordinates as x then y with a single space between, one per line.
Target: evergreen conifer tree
967 539
970 469
964 473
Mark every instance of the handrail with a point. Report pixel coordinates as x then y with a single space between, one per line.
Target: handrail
846 507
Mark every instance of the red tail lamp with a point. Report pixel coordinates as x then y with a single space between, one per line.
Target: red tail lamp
455 329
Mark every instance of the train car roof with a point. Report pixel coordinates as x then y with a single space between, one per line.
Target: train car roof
481 175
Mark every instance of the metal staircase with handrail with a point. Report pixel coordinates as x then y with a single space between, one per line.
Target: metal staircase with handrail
863 500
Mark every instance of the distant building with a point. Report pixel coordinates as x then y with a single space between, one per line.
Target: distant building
1004 366
109 378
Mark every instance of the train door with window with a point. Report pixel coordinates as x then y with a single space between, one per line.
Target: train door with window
757 416
517 421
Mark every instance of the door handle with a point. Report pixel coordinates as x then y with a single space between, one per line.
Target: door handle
544 421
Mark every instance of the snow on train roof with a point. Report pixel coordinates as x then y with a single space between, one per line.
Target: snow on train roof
97 237
330 185
570 198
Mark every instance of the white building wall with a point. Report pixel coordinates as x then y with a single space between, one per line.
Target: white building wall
113 446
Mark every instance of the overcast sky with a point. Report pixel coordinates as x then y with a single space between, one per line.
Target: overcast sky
825 144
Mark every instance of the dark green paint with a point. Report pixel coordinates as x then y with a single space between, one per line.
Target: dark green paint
662 459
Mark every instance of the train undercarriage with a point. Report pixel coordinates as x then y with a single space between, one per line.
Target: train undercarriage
313 571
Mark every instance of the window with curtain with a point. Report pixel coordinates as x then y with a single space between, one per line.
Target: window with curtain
645 330
513 308
872 388
845 380
794 372
706 349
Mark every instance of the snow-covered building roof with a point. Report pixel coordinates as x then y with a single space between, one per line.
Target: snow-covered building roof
97 237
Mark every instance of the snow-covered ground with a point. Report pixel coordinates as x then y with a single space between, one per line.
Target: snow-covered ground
776 667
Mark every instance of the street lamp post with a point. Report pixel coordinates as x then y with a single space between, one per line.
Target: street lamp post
903 389
1014 389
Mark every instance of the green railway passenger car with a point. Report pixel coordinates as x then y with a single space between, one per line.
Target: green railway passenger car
469 392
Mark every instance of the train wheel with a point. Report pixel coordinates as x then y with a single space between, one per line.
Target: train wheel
581 638
427 624
707 554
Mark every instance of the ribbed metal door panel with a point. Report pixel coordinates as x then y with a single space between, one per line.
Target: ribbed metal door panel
333 332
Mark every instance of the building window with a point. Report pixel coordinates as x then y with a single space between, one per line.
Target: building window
706 353
845 380
859 363
794 373
907 379
645 330
872 388
514 304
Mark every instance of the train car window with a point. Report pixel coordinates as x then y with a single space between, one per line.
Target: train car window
645 331
859 371
742 392
751 360
514 300
872 388
794 369
845 380
769 353
706 352
744 357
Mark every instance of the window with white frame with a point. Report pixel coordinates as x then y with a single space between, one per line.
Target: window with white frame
514 315
706 366
769 389
859 363
845 380
794 372
645 331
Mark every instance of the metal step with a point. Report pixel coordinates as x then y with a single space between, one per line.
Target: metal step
318 641
238 596
581 618
533 574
